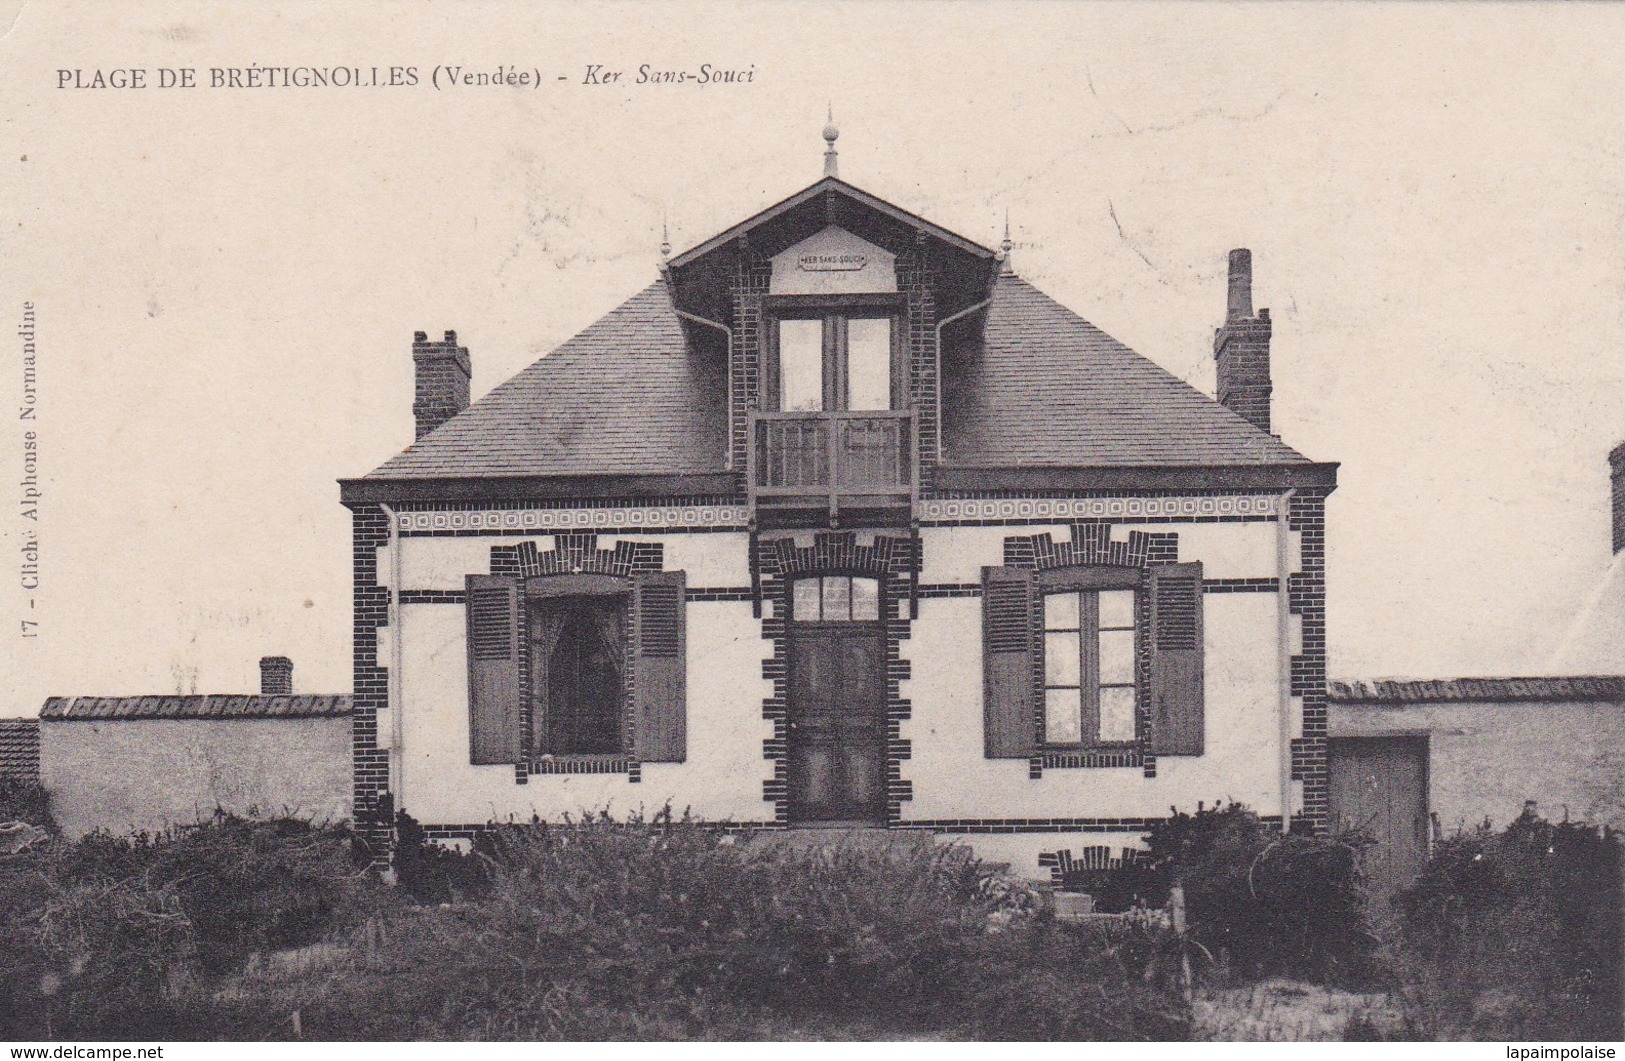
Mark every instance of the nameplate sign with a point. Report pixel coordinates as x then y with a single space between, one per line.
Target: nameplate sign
833 262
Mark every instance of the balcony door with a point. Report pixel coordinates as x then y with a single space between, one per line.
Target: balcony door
834 362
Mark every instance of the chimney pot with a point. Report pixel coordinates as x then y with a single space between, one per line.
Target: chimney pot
276 676
1241 284
1241 348
451 337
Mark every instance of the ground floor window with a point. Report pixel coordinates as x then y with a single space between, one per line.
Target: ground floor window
579 655
1089 666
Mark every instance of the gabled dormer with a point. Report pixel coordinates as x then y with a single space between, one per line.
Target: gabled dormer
831 306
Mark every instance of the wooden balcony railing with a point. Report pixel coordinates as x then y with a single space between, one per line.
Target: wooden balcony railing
838 460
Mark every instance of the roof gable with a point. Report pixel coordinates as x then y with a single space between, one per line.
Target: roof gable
840 190
1049 389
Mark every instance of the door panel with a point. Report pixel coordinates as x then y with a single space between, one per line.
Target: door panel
836 755
1379 784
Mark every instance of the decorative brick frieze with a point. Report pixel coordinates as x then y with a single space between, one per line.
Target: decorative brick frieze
890 561
1150 509
663 518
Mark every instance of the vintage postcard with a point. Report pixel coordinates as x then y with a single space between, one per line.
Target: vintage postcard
744 521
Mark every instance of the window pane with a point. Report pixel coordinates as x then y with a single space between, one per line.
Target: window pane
1117 657
1117 608
1061 659
584 690
868 363
1061 611
1062 716
801 366
1117 713
837 598
865 599
806 603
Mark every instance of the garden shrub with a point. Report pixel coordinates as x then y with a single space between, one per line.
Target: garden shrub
25 800
1516 934
104 934
671 924
1261 902
638 929
433 873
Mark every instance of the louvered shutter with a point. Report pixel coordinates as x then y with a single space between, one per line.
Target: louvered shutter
493 669
1009 719
660 724
1176 660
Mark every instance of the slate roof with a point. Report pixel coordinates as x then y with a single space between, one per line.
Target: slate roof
1478 691
623 397
65 708
1049 389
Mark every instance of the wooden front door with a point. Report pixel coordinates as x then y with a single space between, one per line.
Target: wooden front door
836 753
1380 785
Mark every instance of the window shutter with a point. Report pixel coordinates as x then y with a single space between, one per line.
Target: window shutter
660 724
493 669
1176 659
1009 720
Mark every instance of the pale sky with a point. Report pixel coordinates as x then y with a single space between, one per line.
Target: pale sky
227 281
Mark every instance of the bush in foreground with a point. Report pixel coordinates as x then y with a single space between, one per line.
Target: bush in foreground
655 929
1516 934
1259 902
107 935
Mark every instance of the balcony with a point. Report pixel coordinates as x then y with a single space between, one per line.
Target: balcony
804 465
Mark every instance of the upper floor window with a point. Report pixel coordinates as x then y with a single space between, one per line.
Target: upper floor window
830 361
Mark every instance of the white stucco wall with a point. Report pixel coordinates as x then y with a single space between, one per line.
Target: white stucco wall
951 779
145 775
724 771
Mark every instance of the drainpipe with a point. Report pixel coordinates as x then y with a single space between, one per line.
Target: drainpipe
727 332
1283 571
397 652
937 354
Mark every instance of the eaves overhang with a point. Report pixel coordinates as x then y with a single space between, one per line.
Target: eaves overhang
536 487
1305 475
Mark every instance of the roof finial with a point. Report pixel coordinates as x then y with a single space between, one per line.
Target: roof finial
665 239
830 135
1006 267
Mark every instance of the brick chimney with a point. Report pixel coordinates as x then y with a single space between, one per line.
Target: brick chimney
1242 348
276 676
1616 468
443 372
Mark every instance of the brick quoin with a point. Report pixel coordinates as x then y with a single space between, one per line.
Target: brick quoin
373 806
